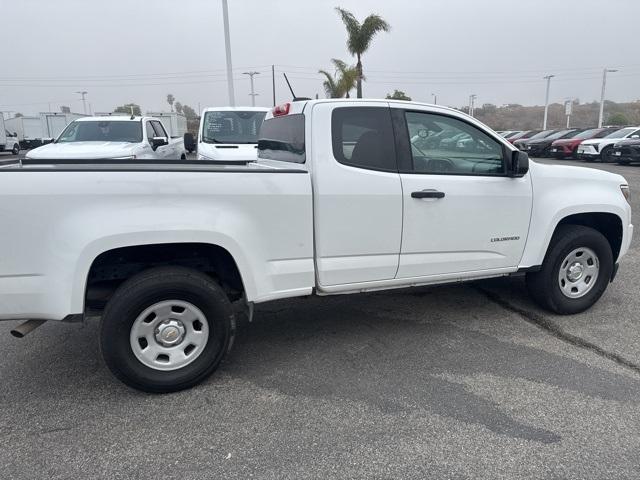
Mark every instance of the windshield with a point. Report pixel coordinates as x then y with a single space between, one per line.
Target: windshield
102 131
587 134
542 134
621 133
232 127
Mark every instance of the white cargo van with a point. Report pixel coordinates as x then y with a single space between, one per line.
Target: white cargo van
8 141
230 134
28 129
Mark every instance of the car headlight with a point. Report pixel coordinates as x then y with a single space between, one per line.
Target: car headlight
626 193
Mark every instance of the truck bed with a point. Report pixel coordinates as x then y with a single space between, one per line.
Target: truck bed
63 215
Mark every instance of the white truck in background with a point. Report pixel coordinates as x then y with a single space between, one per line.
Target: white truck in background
174 123
347 196
53 123
8 140
230 134
112 137
28 129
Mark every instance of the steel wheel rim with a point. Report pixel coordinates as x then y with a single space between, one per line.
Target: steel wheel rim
169 335
578 273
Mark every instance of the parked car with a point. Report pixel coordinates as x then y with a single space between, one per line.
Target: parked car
601 148
340 201
568 147
522 143
525 134
113 137
230 134
542 147
627 151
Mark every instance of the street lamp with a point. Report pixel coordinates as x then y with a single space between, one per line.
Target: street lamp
604 84
227 44
253 95
546 101
435 98
84 101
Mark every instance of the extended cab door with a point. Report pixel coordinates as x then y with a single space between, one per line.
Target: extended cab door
462 213
357 193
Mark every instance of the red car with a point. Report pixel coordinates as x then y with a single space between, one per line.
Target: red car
567 147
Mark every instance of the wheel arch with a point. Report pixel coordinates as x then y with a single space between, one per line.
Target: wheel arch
111 267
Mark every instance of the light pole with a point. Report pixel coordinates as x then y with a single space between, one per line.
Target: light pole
84 101
253 95
604 84
546 101
227 44
435 98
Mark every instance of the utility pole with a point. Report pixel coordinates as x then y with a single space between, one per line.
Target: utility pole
227 44
253 95
546 101
435 98
472 101
84 101
273 83
604 85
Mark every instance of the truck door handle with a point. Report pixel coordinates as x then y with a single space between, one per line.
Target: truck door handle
427 194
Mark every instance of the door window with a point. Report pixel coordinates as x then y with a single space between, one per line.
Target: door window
363 137
150 132
159 128
448 146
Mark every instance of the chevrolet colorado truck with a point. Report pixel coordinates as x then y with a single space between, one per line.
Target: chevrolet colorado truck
346 196
112 137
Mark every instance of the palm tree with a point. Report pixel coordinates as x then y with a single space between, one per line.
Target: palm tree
360 36
340 84
330 85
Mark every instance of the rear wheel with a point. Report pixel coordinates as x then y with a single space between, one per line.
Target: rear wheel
575 272
16 149
166 329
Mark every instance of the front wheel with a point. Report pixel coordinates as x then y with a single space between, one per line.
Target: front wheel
166 329
16 149
575 272
605 155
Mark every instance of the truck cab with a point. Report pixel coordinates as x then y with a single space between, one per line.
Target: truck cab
112 137
230 134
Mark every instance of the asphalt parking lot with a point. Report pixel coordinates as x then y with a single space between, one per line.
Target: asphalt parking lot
467 381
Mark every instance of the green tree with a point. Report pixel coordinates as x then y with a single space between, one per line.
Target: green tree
189 112
179 107
398 95
129 109
340 84
618 119
359 37
330 85
170 100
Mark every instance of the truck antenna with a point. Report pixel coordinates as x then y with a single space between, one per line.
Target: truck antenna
295 99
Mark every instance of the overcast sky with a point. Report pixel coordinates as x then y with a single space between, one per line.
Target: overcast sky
139 50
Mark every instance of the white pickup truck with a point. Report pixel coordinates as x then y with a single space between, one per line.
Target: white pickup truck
346 197
112 137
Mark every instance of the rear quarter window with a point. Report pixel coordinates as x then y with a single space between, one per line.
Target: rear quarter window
282 138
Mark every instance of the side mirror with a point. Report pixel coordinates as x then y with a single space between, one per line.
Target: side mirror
46 141
519 164
15 134
159 142
189 142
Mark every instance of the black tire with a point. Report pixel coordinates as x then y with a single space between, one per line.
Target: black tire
16 149
146 289
544 286
605 154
